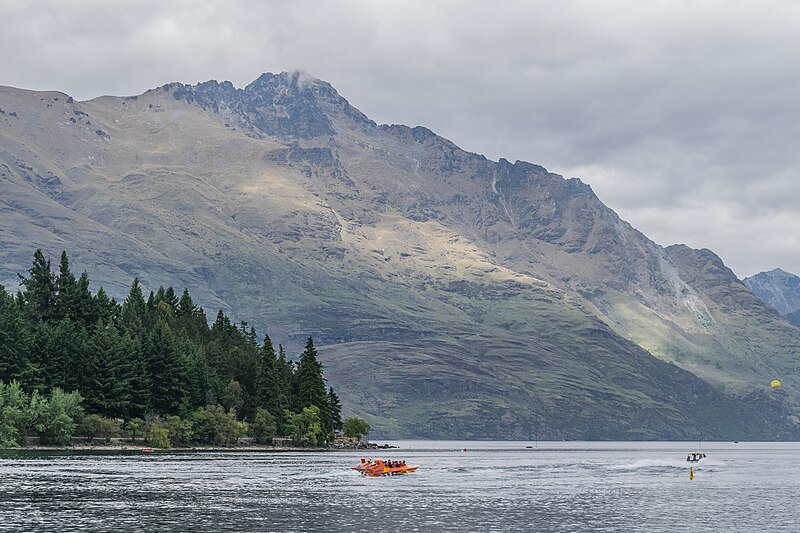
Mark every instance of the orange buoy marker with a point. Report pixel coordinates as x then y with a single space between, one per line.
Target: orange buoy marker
691 474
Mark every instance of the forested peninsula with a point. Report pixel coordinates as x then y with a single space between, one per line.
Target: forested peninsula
151 370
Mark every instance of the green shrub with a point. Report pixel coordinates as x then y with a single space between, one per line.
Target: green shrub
134 426
263 427
213 425
306 427
97 426
355 427
57 416
156 435
179 431
16 416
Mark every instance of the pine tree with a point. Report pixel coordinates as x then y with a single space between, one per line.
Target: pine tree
246 374
134 310
15 341
33 375
63 363
168 371
199 380
285 373
137 383
214 353
311 386
336 410
66 290
106 390
222 329
39 296
105 310
185 307
150 308
171 299
269 393
200 329
252 338
191 319
83 305
195 379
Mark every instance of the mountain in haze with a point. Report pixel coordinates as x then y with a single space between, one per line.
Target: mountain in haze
780 290
449 295
794 318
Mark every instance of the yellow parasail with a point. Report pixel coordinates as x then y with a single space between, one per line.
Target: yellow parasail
775 384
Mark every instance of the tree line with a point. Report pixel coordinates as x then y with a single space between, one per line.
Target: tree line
155 362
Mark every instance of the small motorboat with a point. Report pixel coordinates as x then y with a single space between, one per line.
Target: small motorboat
695 457
147 450
379 467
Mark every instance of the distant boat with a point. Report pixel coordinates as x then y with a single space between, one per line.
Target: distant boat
379 467
147 450
695 457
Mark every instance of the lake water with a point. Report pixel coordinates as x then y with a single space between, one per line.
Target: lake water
493 486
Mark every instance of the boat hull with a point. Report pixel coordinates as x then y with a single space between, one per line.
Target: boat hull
380 469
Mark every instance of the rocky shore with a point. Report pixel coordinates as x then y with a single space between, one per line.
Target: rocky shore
244 445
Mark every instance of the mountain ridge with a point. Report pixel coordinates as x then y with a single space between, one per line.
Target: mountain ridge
388 243
778 289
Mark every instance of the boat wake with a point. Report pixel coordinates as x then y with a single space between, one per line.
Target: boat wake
665 464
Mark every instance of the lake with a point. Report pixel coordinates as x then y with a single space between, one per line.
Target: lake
492 486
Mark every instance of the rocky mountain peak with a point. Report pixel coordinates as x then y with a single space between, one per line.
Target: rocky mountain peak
293 84
777 288
289 106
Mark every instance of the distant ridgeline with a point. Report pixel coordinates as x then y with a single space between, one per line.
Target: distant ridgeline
153 358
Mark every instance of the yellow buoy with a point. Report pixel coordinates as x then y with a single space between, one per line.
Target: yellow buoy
775 384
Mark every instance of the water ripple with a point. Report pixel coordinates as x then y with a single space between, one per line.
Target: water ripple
557 487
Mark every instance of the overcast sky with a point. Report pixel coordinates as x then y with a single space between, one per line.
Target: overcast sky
682 116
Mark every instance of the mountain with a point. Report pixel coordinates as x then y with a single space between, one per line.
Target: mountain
794 318
780 290
449 295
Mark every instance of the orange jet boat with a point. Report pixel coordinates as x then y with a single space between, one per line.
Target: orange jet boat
379 467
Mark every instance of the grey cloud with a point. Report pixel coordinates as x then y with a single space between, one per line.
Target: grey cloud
681 115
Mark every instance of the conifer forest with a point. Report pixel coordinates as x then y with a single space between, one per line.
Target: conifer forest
76 361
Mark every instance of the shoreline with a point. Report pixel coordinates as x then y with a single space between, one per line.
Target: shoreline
140 448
